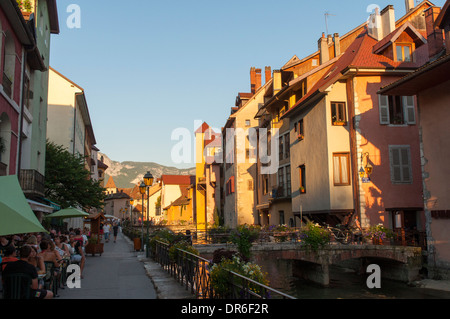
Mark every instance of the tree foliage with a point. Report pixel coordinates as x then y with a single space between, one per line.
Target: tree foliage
68 182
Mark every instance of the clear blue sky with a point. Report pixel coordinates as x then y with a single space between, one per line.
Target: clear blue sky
149 67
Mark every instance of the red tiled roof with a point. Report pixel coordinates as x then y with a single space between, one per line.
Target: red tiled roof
393 36
110 183
177 179
360 54
202 128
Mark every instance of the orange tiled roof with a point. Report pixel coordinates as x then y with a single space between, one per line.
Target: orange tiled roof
110 183
178 179
360 54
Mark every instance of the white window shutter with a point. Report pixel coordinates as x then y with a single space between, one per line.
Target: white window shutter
384 109
408 105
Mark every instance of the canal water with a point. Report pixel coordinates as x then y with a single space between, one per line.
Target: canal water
344 284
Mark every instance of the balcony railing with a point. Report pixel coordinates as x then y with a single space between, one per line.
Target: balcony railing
192 272
32 182
7 85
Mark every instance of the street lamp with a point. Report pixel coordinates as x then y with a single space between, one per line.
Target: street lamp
142 188
131 212
148 181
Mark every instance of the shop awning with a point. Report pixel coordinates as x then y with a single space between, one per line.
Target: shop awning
16 216
39 207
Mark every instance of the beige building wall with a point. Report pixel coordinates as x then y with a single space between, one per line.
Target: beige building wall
61 106
315 151
240 207
338 141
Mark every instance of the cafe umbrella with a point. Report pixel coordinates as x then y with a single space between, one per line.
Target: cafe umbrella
16 216
68 213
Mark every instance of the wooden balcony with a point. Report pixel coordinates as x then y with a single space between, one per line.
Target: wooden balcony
32 183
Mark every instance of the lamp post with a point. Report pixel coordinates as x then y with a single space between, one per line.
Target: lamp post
142 188
131 211
148 181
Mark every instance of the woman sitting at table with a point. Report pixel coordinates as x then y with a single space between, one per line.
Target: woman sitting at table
32 241
50 255
60 247
38 262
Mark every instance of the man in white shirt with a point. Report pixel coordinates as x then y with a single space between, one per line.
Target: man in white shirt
106 229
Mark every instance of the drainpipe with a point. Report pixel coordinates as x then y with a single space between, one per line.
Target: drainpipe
353 148
22 99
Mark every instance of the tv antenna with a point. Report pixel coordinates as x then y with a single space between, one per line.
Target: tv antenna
327 14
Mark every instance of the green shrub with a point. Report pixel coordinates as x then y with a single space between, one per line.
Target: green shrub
243 237
220 276
183 245
314 236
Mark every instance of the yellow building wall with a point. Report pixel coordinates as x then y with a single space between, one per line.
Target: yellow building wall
199 174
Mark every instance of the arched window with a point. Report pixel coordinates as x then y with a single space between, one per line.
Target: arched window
9 64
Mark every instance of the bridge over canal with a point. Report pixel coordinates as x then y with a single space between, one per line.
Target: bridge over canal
401 263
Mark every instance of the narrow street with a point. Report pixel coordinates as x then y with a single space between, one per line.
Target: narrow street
117 274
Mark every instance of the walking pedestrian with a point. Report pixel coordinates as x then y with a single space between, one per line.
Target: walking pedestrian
115 229
106 228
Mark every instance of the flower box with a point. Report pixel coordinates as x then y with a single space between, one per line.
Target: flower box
300 137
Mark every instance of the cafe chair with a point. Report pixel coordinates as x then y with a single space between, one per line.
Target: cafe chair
16 286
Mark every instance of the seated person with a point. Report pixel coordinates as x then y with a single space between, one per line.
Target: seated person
48 254
22 266
9 256
78 256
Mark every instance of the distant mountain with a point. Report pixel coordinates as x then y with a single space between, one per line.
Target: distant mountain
127 174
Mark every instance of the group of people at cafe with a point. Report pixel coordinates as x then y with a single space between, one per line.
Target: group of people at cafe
28 254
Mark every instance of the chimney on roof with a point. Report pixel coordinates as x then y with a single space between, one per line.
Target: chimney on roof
323 49
276 81
387 20
435 37
258 80
374 26
409 5
255 79
268 73
337 44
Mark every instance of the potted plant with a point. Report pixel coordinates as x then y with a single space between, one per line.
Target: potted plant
378 234
94 246
300 136
302 190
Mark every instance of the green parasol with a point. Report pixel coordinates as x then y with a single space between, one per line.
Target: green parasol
68 213
16 216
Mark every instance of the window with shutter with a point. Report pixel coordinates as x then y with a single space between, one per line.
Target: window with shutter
396 110
384 109
408 104
400 161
